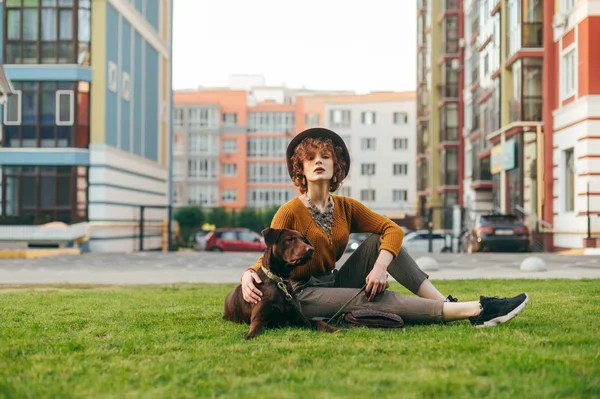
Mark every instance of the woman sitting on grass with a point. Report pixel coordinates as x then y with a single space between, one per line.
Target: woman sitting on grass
318 161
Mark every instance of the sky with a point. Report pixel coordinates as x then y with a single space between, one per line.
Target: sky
318 44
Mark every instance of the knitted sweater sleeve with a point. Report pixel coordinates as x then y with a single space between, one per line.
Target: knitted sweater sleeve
364 220
283 219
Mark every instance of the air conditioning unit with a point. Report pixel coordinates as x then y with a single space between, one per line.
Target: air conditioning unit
560 20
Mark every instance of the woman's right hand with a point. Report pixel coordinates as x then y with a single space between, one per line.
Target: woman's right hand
250 292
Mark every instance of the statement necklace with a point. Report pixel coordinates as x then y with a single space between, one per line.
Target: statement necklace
323 219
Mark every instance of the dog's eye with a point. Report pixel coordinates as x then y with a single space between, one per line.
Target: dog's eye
291 239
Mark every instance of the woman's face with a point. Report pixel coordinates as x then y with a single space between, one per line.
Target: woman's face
318 166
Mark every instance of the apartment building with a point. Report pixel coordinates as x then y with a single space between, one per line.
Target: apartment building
248 131
86 136
439 108
572 94
379 134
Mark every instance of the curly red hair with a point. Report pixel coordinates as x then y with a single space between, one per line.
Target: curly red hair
310 145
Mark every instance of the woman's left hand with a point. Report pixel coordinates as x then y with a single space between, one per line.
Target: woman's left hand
376 281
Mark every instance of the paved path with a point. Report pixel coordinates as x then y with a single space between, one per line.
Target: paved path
208 267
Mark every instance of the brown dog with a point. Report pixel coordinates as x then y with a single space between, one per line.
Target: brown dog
279 306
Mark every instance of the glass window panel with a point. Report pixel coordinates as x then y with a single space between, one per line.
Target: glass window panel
49 24
47 191
64 136
12 136
85 3
30 3
48 52
64 170
65 52
30 53
29 107
65 3
84 25
13 21
28 136
49 3
28 191
64 191
66 85
48 107
11 111
13 3
66 25
65 108
64 216
13 53
48 136
30 24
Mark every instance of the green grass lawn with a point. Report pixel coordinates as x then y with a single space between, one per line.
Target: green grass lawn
171 341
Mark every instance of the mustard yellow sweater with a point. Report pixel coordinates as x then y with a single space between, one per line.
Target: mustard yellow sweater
349 216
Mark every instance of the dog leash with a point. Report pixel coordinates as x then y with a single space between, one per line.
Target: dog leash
333 318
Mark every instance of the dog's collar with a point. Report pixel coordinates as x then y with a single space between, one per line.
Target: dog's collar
280 282
271 275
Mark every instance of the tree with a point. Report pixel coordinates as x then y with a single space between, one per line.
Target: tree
268 215
220 217
190 218
250 219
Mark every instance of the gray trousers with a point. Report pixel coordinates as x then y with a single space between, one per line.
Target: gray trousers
324 296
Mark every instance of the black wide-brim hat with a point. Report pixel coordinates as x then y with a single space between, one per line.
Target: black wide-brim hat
317 133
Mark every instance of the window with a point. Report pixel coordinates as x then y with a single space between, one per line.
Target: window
262 198
312 120
51 114
57 32
400 169
400 118
368 118
37 195
126 87
400 144
229 119
267 147
178 117
65 107
569 74
178 169
367 169
203 118
271 122
229 145
367 195
340 118
229 170
567 5
345 191
267 172
367 143
399 195
12 109
112 76
347 141
202 169
229 195
202 194
569 180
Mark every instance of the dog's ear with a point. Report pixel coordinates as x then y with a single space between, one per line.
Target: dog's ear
306 240
271 235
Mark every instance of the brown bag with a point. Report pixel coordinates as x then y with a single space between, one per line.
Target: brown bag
374 319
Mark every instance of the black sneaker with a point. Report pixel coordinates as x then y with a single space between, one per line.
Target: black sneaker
498 310
450 298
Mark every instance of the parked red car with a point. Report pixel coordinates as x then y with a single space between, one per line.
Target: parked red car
234 239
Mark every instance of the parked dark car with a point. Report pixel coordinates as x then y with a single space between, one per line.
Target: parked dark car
234 239
496 232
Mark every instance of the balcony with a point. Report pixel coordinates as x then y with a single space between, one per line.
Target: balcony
527 110
532 34
449 177
422 141
449 90
448 134
450 46
451 5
